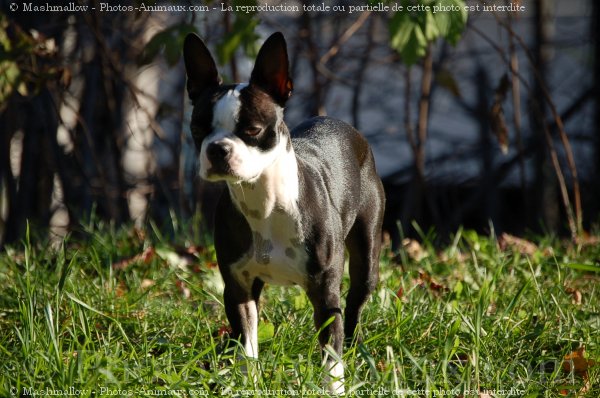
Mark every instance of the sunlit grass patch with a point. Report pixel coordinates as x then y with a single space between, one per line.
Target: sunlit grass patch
131 313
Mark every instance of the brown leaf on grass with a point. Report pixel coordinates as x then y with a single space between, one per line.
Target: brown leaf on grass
147 283
586 386
192 253
458 256
141 314
577 362
586 239
576 295
183 289
386 240
425 280
145 257
414 249
121 289
400 293
183 257
198 268
224 331
195 249
523 246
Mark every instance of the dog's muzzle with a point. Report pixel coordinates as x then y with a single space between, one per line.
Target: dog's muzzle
219 154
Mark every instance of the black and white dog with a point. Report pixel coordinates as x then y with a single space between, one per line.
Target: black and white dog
294 201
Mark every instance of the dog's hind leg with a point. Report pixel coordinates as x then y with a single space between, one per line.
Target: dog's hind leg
363 244
324 294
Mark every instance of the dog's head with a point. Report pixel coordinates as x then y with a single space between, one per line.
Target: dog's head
238 129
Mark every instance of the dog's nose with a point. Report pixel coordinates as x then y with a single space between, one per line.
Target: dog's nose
218 154
216 151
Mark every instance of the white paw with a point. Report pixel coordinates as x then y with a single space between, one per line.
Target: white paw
334 379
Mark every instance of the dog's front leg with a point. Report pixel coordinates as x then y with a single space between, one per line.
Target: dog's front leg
241 307
324 294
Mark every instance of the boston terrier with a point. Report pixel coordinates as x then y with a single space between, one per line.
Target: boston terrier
295 201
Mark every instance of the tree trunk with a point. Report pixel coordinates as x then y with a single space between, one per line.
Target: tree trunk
32 200
316 102
596 40
487 209
546 208
414 208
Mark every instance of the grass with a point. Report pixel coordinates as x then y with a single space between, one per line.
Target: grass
467 320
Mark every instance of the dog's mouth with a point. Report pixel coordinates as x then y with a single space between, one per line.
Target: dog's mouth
216 166
216 173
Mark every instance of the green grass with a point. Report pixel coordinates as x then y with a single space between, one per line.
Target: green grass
469 318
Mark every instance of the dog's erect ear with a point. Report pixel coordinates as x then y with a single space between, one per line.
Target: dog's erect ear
271 70
200 66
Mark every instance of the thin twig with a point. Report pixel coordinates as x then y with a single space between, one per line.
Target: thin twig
407 119
516 97
345 37
557 120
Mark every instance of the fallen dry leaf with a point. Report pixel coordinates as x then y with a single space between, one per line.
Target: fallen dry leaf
224 331
146 283
586 239
413 249
139 314
400 293
121 290
577 363
145 257
576 295
386 240
458 256
586 386
425 280
183 289
195 249
523 246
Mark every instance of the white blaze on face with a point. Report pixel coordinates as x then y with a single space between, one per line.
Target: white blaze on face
225 118
227 110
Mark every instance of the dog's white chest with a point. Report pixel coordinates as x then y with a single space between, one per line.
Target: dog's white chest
277 254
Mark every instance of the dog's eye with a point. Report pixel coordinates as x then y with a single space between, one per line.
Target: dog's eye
253 131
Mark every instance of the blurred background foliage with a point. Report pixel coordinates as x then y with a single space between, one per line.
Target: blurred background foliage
488 120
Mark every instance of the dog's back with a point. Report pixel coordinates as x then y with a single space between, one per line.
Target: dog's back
325 146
